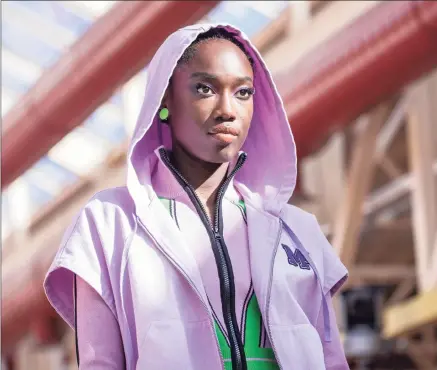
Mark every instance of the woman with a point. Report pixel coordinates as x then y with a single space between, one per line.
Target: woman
199 262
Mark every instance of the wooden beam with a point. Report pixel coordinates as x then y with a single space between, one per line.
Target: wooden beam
386 137
433 267
335 16
378 274
317 179
402 291
389 167
391 127
300 15
411 315
424 196
391 192
360 176
274 33
332 162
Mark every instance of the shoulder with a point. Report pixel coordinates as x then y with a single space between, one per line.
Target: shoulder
100 228
307 229
117 198
112 207
300 218
92 248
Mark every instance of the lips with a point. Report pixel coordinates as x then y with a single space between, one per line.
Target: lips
224 133
223 129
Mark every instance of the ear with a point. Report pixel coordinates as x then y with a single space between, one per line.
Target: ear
166 99
165 103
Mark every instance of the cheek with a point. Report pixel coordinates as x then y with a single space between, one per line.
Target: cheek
202 110
189 118
246 114
188 111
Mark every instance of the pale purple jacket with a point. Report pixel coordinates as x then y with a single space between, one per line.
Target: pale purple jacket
145 282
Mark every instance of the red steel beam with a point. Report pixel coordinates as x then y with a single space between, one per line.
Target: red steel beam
376 56
114 49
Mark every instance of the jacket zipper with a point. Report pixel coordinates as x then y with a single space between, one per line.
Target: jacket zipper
224 267
193 286
269 291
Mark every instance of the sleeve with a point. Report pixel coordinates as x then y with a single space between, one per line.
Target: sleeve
333 351
334 276
335 273
81 254
99 343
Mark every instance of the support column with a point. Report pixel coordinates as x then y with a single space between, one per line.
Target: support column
416 318
387 136
359 180
323 178
300 15
422 117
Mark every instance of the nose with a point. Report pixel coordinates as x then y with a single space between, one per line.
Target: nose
225 110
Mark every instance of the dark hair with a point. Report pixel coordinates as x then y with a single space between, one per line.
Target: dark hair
212 34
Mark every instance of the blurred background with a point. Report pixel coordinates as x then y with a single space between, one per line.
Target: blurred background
359 84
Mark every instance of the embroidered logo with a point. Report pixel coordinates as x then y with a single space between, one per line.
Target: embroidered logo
296 258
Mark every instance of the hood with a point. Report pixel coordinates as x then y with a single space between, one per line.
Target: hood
268 177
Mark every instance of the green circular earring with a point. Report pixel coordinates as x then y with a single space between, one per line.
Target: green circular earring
163 114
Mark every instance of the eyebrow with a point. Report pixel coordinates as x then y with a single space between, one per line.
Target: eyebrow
209 76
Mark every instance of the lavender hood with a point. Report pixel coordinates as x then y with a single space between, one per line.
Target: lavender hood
269 174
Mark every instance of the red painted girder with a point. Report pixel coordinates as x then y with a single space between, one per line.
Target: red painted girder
376 56
114 49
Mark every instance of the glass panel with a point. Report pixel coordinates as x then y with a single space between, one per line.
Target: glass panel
27 46
55 12
250 17
18 74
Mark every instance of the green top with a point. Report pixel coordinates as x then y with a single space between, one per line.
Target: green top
257 356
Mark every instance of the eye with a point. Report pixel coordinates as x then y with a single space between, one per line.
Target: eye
245 93
203 89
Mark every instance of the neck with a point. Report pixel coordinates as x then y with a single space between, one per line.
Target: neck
204 177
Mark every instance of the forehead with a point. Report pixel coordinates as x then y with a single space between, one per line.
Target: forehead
220 57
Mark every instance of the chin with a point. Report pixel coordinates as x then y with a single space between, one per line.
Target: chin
218 154
224 154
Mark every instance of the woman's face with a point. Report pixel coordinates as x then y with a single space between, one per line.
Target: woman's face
210 102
